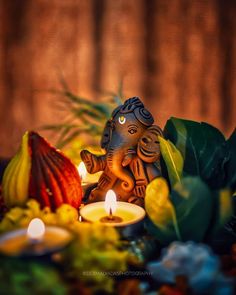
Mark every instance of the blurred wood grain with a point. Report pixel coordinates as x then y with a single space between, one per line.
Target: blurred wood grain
179 56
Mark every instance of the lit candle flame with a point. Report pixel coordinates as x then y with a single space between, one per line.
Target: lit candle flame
110 202
36 229
82 170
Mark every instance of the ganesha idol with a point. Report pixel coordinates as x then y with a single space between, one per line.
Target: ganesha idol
132 154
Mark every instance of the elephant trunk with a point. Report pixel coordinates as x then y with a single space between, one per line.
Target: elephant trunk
115 157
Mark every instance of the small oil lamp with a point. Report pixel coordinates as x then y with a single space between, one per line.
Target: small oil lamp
36 240
113 213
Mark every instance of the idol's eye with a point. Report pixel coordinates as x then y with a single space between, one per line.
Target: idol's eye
122 120
132 130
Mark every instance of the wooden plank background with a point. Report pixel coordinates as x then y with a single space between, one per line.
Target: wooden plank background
179 56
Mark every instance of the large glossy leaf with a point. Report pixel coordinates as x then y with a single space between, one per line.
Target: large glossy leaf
222 210
183 215
203 147
193 204
161 212
231 165
173 160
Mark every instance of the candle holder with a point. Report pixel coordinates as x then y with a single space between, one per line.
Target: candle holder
35 241
132 154
127 218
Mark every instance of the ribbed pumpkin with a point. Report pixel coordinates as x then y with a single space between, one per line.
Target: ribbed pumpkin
52 178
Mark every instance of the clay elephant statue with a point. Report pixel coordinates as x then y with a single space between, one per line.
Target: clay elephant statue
132 154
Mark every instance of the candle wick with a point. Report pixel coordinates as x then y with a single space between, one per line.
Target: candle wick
110 214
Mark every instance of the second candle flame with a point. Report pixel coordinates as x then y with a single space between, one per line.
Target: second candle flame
82 170
110 202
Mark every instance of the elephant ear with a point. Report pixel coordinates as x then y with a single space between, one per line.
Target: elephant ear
149 145
106 136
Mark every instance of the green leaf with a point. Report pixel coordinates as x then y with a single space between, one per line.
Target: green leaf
70 137
161 211
183 215
77 99
223 210
78 112
85 114
175 130
203 147
173 160
231 165
104 109
64 132
193 205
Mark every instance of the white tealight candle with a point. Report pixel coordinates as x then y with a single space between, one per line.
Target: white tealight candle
36 240
112 213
